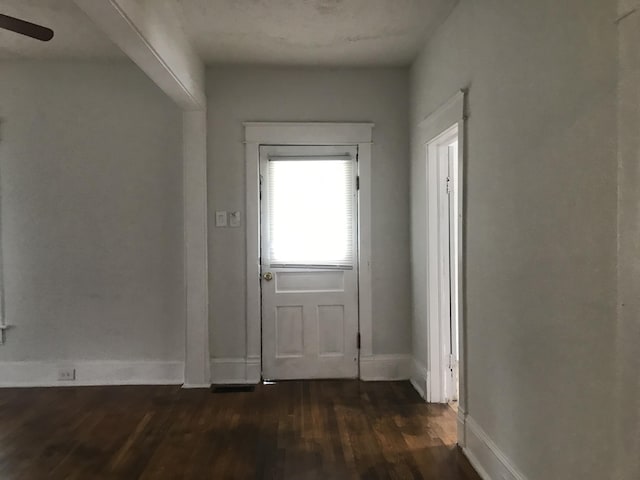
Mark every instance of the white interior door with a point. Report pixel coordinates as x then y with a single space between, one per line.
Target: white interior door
453 266
448 212
309 262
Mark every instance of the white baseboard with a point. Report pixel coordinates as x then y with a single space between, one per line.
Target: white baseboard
238 371
90 373
235 371
254 370
385 367
488 460
419 377
461 420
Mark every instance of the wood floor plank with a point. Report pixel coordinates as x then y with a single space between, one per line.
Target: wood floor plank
298 430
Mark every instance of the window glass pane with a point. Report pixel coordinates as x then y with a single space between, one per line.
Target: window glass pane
311 208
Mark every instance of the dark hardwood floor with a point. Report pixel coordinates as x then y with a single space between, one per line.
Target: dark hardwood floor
291 430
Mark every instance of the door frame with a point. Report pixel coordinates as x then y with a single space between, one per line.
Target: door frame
305 133
431 130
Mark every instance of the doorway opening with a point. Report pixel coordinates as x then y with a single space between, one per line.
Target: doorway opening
440 374
444 265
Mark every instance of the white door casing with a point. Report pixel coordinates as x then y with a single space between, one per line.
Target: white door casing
432 134
304 133
310 286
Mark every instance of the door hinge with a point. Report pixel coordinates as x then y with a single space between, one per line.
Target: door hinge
358 182
358 341
452 362
449 185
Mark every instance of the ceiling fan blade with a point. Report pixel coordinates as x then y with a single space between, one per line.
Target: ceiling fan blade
26 28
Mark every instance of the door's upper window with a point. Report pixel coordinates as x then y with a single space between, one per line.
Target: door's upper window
311 211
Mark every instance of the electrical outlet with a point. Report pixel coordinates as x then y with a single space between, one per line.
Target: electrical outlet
66 374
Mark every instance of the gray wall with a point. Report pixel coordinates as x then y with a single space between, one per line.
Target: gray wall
294 94
628 340
540 224
91 213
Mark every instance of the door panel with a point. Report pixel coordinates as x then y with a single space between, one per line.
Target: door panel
309 267
315 281
289 331
331 329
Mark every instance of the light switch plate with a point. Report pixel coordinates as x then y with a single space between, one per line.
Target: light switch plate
234 219
221 219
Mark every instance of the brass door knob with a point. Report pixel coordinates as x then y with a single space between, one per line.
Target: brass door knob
268 276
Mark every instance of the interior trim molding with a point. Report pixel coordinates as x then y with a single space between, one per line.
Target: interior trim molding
485 456
196 277
240 371
385 367
428 132
235 371
174 66
308 133
419 377
451 112
303 133
91 373
461 420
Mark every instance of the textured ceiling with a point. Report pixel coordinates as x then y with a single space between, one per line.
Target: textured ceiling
312 32
276 32
75 35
